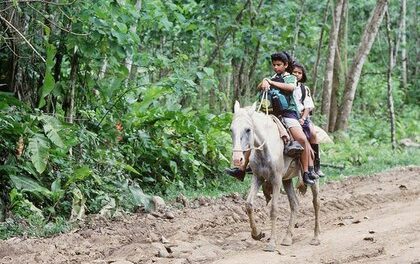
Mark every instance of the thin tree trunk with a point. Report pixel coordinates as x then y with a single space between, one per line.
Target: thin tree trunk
339 68
403 47
254 61
297 27
250 83
417 47
326 93
73 77
240 77
344 44
129 60
318 52
391 64
335 90
235 74
103 68
353 77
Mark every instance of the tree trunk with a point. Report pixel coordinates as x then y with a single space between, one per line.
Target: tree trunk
339 67
391 63
326 93
353 77
343 45
235 78
403 47
73 76
417 47
297 27
253 65
335 90
129 60
318 52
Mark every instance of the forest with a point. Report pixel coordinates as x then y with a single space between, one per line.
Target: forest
106 103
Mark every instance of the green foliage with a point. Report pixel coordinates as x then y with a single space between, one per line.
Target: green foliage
155 144
153 89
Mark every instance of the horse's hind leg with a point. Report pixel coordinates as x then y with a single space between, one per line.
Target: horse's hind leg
315 191
293 202
255 186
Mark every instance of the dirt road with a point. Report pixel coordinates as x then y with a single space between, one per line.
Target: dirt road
373 219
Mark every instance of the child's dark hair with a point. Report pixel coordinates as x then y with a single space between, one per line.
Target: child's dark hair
298 65
285 58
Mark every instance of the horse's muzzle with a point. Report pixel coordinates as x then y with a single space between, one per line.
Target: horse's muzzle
238 158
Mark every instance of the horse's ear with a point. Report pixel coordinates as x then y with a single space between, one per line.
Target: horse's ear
252 108
236 107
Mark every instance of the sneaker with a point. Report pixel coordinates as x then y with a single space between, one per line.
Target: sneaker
306 178
236 172
312 174
320 173
293 149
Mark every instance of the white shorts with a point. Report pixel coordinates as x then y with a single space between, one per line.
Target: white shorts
291 122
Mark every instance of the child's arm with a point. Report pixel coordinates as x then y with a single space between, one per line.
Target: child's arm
308 104
289 85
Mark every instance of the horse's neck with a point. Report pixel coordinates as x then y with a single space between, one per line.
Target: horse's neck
266 132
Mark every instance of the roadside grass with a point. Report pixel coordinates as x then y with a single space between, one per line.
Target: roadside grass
33 227
338 161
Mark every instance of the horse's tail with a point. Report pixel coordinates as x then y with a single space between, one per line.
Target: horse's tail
301 186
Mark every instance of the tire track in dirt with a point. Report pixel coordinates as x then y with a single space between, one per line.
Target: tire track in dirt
217 230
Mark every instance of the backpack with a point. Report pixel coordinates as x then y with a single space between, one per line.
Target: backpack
302 99
303 90
276 101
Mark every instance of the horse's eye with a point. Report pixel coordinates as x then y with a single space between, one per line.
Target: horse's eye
248 130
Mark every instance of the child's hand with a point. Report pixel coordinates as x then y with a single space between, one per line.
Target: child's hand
301 121
265 86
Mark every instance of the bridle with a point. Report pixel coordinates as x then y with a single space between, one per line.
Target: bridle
260 147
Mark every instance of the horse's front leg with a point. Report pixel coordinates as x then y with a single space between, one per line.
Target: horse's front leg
293 203
315 191
255 186
271 245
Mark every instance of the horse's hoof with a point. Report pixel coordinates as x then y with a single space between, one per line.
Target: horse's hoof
287 241
315 242
270 247
259 236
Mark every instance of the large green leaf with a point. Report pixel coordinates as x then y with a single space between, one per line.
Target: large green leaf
38 149
49 82
79 175
27 184
150 95
52 128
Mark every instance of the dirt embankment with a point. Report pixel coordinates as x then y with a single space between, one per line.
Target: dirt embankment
373 219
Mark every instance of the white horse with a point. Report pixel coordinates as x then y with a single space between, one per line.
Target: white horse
258 133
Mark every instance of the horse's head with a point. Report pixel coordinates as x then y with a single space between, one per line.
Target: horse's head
242 132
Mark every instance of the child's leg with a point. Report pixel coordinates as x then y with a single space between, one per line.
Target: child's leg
299 136
315 147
